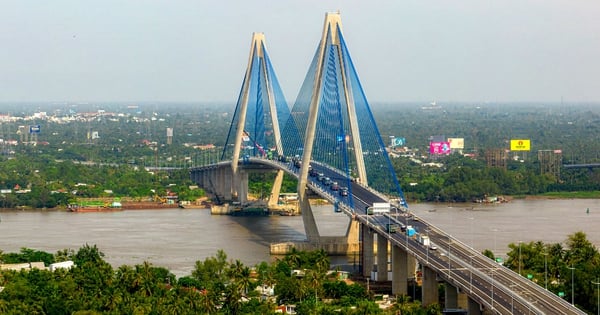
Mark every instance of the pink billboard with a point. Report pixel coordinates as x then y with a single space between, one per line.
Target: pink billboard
439 147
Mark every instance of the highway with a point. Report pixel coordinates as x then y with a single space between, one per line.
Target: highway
485 281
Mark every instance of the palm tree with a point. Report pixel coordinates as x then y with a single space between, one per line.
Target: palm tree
314 279
207 301
293 258
146 278
233 300
243 280
322 261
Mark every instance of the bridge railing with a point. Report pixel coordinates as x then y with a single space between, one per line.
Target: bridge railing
523 282
414 250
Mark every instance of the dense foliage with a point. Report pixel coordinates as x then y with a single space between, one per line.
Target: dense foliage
216 286
463 179
130 139
571 270
46 183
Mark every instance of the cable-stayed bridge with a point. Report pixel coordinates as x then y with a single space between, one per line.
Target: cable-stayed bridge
330 143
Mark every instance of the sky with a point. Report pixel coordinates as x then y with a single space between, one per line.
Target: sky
197 51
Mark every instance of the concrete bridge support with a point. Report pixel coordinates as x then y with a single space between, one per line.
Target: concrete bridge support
274 198
333 245
463 300
242 186
473 308
451 295
235 187
399 271
308 218
382 258
429 293
202 179
223 180
217 178
367 250
411 265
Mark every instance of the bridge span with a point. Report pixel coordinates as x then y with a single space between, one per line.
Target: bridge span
331 135
473 281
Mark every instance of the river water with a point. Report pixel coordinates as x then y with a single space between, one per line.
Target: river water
177 238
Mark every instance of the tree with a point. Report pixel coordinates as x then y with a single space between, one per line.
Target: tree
88 253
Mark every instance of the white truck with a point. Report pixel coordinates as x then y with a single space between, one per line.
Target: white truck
424 240
379 207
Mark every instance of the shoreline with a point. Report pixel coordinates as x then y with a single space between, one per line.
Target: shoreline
152 205
142 205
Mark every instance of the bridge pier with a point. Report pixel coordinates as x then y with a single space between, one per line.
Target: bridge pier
242 186
473 308
429 292
308 218
382 258
450 295
227 184
274 198
223 179
333 245
399 271
455 298
367 252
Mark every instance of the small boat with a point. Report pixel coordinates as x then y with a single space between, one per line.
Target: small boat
93 208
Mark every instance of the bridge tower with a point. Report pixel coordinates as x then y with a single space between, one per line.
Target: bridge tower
255 127
333 118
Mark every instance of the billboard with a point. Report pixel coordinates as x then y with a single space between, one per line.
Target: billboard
438 148
520 145
34 129
398 142
456 143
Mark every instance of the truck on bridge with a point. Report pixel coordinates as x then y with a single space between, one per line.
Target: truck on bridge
410 231
424 240
379 207
391 227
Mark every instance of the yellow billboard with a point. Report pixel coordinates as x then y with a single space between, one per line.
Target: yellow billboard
457 143
520 145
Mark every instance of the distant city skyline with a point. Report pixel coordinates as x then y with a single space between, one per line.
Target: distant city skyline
197 51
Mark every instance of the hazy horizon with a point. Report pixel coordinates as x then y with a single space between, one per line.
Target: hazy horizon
197 51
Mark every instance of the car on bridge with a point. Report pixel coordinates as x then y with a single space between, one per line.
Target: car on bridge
391 228
335 186
343 191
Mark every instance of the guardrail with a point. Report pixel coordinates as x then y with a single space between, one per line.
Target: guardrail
466 250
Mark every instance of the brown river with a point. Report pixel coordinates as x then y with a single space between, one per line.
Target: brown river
177 238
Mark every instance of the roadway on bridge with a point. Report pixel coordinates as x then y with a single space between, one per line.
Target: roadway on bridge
484 280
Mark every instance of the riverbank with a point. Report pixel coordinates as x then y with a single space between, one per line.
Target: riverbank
126 205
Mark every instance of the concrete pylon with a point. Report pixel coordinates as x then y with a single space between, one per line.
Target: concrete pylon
257 38
451 296
429 290
399 271
382 258
257 52
329 40
367 250
474 307
308 218
274 198
242 189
